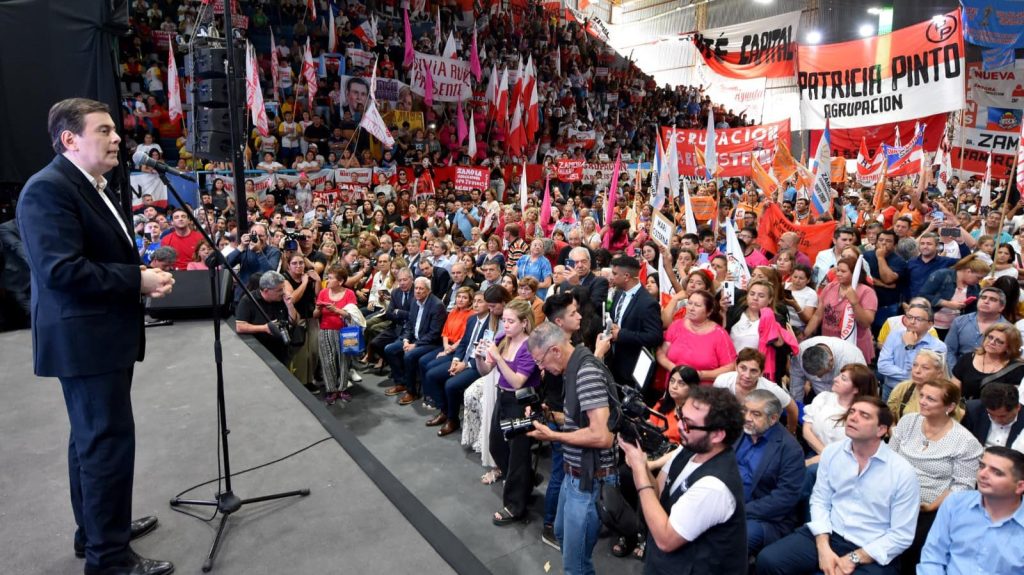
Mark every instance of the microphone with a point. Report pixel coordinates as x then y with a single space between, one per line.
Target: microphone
165 169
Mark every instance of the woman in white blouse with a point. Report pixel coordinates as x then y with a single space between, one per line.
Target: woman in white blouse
943 452
825 417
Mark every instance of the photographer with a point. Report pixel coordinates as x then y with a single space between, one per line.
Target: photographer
694 511
272 297
585 438
253 256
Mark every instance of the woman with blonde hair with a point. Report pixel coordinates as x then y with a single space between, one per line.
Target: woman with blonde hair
510 356
997 360
527 292
949 290
928 366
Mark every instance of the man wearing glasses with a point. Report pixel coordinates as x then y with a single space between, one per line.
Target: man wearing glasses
964 334
253 256
694 510
579 277
899 350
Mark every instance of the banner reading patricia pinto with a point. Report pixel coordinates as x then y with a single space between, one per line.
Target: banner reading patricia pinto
913 72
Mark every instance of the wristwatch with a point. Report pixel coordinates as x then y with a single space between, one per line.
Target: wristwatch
854 558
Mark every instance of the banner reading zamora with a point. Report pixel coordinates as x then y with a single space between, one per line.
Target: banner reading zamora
913 72
764 48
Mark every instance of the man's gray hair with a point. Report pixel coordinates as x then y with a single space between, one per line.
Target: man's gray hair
546 335
404 271
997 292
907 248
772 405
422 281
580 251
270 280
165 254
817 360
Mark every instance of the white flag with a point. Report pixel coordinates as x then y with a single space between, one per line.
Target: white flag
449 47
372 122
848 328
986 185
471 148
523 191
691 222
737 263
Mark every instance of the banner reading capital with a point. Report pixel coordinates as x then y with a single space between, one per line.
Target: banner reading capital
735 147
764 48
912 72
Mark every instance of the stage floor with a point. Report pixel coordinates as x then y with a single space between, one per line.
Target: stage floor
388 496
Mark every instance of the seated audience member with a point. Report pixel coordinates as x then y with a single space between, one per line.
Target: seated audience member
451 334
203 251
420 335
981 531
182 238
819 362
447 377
758 323
163 258
927 366
863 509
698 340
943 452
681 380
995 418
460 279
897 355
528 293
271 297
949 290
394 317
476 420
747 378
825 417
440 279
996 360
772 469
895 326
964 335
694 509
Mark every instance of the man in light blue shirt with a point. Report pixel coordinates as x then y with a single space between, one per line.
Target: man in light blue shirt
899 350
864 505
981 531
965 333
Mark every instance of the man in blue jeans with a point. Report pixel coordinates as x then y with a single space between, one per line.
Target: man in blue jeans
587 444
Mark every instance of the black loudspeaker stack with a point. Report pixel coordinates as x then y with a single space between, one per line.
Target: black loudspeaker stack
209 131
191 296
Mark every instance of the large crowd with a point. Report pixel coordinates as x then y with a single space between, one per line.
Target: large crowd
853 409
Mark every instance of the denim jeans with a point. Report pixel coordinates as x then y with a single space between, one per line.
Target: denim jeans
577 523
555 481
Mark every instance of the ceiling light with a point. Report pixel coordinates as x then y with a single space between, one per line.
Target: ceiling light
874 10
763 1
866 30
938 19
814 37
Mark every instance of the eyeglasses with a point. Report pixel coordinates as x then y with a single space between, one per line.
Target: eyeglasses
687 426
994 339
916 319
540 361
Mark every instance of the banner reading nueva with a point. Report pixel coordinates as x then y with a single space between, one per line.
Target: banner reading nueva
912 72
450 77
992 121
763 48
734 147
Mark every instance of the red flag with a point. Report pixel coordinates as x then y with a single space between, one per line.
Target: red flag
275 73
311 9
309 73
474 58
174 89
254 93
428 88
501 103
613 190
517 88
545 209
410 52
513 141
531 101
332 32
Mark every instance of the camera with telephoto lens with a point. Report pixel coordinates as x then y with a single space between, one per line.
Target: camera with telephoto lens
291 235
516 426
633 425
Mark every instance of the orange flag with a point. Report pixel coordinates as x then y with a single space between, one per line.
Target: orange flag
762 178
879 202
784 164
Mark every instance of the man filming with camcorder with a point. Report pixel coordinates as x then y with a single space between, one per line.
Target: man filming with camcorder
587 443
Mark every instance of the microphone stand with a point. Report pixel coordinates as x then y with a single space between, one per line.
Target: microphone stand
226 501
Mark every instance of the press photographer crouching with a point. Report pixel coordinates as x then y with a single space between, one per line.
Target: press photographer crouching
694 511
276 300
585 438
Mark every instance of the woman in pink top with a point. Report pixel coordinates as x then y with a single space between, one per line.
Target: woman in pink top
699 340
330 310
839 295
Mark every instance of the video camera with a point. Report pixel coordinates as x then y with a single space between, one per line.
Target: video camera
292 236
634 426
516 426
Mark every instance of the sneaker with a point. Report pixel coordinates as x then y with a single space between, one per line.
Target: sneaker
354 376
547 536
345 396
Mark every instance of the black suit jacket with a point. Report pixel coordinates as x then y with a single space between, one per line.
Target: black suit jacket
778 482
431 323
398 310
449 295
976 420
639 327
87 312
440 281
592 288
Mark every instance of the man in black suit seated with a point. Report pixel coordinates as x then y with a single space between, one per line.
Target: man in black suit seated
636 324
440 279
995 418
421 335
87 326
459 280
396 313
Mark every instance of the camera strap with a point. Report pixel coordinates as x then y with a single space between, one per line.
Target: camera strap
589 459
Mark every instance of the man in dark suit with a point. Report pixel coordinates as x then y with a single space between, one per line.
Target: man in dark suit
579 277
87 326
396 313
422 334
440 279
772 467
995 418
636 324
459 280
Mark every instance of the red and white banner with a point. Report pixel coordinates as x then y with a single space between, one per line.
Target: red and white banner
356 180
576 139
466 178
765 48
992 121
846 143
913 72
734 147
450 77
569 170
